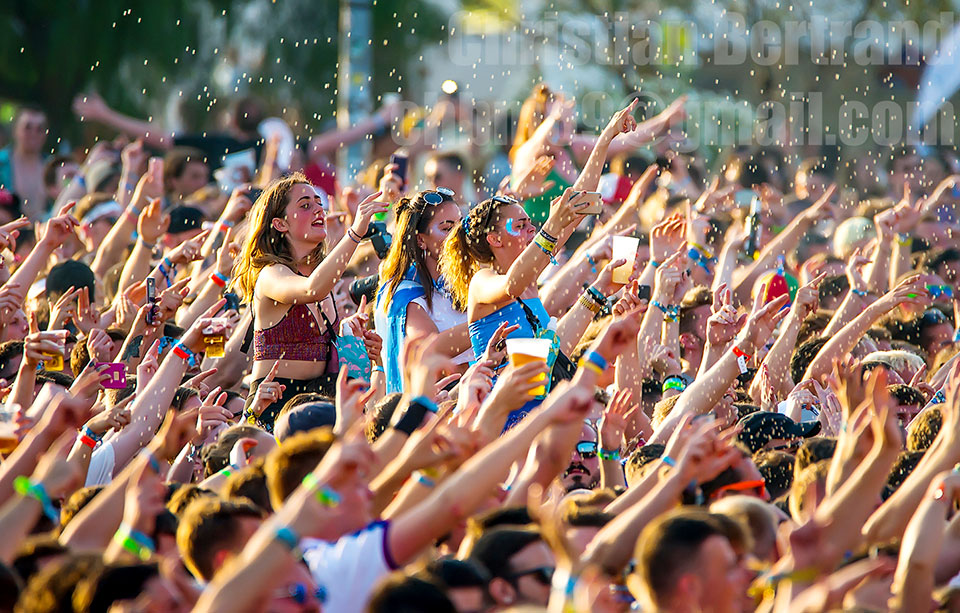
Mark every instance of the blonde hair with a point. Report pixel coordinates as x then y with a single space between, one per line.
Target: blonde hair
264 245
532 114
466 248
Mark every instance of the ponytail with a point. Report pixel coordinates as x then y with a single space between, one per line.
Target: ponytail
466 249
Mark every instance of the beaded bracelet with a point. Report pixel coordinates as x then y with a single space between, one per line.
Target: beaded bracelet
587 301
29 489
671 312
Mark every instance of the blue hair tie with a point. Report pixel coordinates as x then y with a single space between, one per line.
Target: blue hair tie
465 222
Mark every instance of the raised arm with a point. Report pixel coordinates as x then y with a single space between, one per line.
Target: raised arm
910 291
281 284
91 107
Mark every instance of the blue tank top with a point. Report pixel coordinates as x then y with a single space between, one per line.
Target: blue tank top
482 329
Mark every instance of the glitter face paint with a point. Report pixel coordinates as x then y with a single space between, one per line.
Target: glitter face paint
509 227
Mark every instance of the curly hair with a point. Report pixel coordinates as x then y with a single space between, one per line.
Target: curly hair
264 245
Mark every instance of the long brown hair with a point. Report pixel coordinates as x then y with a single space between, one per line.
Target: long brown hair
413 216
264 244
466 248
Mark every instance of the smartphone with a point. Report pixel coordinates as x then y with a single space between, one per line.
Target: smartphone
594 204
752 245
233 302
254 193
643 292
152 300
400 159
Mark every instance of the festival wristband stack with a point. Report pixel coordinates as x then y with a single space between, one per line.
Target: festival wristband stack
593 361
29 489
324 495
588 301
219 280
135 542
88 437
671 312
181 351
547 244
700 256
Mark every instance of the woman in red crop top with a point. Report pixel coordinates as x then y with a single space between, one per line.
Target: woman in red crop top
284 274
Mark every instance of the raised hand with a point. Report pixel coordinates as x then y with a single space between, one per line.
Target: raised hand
496 349
188 251
533 183
9 232
152 222
352 399
667 237
212 415
60 228
614 419
723 325
367 208
762 321
630 300
622 121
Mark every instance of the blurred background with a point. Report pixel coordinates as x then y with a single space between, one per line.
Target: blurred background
312 63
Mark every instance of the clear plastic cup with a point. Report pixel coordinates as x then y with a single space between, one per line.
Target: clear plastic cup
624 248
525 350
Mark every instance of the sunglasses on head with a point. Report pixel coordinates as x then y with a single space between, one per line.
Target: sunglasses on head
436 196
504 200
587 449
543 574
757 487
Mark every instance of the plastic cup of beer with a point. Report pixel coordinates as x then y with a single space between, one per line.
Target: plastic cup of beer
8 431
624 248
525 350
54 361
214 339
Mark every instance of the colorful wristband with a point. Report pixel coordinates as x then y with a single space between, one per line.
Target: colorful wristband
596 358
137 543
424 480
427 403
86 440
180 350
219 279
288 537
29 489
668 461
604 454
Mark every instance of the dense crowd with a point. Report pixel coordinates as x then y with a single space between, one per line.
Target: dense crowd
552 369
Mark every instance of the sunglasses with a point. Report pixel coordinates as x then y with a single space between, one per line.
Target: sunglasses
298 593
504 200
436 196
757 487
543 574
587 449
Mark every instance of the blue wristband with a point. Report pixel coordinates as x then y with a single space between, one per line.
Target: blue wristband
426 403
668 461
287 536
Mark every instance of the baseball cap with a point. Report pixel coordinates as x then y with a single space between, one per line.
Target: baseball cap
67 274
184 218
761 427
304 417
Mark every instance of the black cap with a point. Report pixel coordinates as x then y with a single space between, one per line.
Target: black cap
184 218
304 417
67 274
761 427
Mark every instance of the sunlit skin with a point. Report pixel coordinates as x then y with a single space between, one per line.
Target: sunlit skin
304 227
195 175
446 217
582 472
506 248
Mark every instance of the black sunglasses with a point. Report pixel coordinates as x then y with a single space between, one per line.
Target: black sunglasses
587 449
543 574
